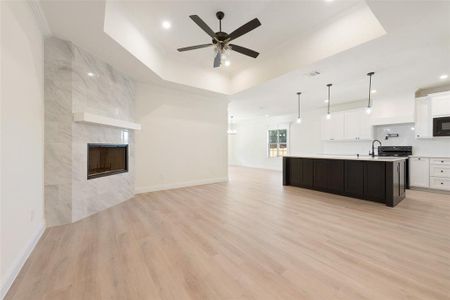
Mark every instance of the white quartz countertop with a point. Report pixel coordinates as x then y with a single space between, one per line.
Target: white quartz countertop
430 156
350 157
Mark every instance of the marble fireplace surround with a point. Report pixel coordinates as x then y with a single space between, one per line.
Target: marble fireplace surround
76 82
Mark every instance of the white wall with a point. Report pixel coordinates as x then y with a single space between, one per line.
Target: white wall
183 140
22 137
249 147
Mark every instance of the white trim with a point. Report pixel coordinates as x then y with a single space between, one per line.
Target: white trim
170 186
85 117
12 273
40 17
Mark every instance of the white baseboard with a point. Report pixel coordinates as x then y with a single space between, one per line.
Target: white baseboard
14 270
279 169
170 186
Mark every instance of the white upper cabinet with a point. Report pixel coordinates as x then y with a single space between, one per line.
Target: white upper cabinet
333 128
423 120
357 125
347 125
440 103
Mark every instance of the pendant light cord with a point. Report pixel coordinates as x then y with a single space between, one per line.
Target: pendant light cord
298 115
329 100
370 87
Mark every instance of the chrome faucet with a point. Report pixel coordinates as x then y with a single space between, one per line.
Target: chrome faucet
373 147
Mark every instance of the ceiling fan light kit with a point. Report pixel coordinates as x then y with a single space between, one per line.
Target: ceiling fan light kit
221 40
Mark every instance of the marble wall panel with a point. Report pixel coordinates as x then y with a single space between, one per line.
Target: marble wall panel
75 81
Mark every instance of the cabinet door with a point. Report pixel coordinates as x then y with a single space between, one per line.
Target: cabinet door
352 120
326 129
423 120
337 129
365 126
401 179
440 104
335 175
320 174
375 181
295 171
354 178
419 175
307 179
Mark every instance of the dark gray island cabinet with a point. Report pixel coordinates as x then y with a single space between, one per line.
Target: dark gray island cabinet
374 179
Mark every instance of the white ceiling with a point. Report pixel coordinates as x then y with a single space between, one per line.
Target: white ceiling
414 53
407 44
281 22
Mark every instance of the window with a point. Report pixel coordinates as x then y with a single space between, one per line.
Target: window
277 142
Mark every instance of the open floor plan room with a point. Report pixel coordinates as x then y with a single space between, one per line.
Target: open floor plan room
229 150
246 239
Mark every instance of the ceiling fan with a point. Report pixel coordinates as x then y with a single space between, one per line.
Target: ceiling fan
221 40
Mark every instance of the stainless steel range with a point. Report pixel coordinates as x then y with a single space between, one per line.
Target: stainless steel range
398 151
395 151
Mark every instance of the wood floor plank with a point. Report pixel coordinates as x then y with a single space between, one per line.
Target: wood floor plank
248 239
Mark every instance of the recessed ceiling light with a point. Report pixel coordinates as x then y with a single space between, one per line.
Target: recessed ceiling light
329 0
166 24
326 100
373 91
227 63
90 74
443 76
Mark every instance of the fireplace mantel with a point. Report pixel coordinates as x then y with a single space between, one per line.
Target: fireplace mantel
85 117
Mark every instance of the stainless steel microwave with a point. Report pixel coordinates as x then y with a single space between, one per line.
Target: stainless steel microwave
441 126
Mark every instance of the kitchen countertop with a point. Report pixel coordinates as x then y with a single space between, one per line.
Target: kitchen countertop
430 156
350 157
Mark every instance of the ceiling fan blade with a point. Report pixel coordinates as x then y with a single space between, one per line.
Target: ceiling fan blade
245 51
203 25
193 47
217 59
249 26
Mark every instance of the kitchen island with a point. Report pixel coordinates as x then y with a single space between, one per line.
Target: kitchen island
379 179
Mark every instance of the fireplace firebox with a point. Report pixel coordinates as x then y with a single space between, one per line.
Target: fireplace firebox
106 160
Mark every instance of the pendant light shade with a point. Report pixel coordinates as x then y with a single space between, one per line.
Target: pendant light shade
299 119
369 103
329 101
231 130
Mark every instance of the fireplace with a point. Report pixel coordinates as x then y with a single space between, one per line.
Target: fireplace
106 160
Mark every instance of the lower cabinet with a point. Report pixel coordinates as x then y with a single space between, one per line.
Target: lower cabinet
354 178
366 179
300 172
375 181
370 180
329 175
419 172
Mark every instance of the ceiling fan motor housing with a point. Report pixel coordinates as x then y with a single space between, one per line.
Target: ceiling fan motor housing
220 15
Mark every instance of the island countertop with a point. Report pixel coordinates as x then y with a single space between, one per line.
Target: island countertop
349 157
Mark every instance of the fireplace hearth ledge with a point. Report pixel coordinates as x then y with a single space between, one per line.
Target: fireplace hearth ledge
84 117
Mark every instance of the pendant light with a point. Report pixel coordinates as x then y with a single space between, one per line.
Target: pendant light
299 119
369 104
329 101
231 130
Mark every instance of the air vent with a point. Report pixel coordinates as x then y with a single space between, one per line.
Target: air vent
313 73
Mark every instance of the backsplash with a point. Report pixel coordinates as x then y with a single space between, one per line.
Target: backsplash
431 147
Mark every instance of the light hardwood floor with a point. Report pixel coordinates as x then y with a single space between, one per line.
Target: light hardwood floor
250 238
